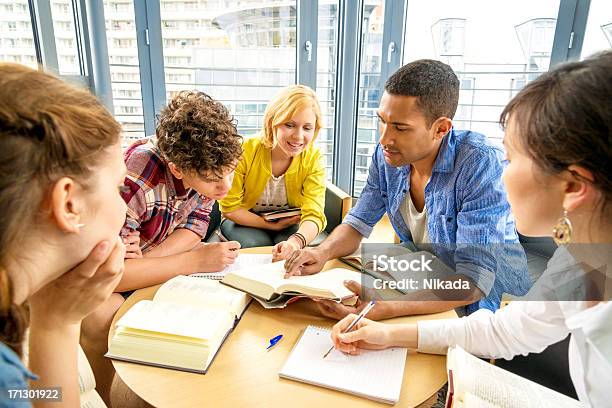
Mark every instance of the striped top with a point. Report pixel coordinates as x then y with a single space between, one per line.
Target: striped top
274 196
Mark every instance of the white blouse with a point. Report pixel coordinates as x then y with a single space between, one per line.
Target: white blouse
525 327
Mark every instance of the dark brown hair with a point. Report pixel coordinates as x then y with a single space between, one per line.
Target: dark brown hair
564 118
433 83
48 130
198 134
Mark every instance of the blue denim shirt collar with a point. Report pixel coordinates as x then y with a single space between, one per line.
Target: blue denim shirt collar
445 162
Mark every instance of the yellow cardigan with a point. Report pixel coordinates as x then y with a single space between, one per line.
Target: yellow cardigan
304 181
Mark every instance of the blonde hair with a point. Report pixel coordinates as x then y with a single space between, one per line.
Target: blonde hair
284 106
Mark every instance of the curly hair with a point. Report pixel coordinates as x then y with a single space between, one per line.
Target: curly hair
198 134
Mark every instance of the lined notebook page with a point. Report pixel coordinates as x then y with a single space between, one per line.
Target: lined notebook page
375 375
242 261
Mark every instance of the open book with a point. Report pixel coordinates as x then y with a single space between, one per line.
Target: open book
267 283
183 327
476 383
278 214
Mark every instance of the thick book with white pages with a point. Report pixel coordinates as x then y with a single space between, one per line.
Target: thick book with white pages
373 374
183 327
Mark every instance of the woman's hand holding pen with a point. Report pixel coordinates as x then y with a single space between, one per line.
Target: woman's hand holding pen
366 334
371 335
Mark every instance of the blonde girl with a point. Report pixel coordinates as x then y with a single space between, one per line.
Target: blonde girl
280 168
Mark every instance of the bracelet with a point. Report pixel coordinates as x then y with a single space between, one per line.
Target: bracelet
300 238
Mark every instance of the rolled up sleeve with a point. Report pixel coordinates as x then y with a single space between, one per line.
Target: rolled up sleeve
370 207
197 221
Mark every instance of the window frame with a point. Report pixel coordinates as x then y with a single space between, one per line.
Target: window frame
95 70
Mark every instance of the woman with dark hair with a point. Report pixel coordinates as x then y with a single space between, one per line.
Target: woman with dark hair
559 147
61 169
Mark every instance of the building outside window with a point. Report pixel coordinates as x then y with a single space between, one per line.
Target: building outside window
16 37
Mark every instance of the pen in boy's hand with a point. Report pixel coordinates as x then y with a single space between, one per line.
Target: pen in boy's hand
220 235
223 239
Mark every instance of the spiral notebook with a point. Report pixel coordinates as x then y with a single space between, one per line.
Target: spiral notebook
374 374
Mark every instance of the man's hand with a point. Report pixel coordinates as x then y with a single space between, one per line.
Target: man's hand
214 257
338 311
283 223
305 261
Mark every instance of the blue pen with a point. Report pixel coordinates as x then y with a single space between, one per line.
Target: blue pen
273 341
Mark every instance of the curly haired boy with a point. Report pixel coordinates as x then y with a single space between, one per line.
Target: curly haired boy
172 183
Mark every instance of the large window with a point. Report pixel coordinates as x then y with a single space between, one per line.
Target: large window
66 45
239 52
124 69
494 47
242 52
326 77
598 35
16 39
369 90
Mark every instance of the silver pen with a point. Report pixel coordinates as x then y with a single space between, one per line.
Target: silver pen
359 316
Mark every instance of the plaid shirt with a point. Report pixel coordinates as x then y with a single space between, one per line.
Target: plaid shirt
158 202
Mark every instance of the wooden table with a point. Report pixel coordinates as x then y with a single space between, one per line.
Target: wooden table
245 374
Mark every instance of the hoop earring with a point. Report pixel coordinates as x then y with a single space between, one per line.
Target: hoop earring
562 231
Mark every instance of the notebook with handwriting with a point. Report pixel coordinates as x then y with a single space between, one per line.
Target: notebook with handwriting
375 374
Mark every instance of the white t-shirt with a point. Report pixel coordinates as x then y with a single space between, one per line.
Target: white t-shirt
416 221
